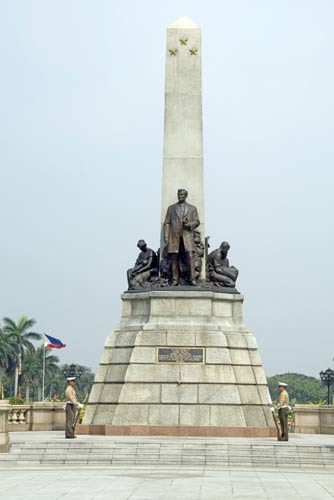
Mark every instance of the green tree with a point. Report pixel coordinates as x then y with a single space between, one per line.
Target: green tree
22 336
32 373
8 354
301 388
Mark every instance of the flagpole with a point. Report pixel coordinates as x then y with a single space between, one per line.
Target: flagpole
50 343
43 383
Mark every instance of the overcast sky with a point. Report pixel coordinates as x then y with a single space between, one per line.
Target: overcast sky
81 138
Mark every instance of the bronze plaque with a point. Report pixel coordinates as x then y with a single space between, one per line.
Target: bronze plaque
180 355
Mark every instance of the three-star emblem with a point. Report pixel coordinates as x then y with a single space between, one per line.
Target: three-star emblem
193 51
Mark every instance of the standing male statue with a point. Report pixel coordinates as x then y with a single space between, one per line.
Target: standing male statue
180 222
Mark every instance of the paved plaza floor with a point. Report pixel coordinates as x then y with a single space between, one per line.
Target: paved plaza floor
165 482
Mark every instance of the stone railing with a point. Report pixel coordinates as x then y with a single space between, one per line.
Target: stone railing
36 417
314 419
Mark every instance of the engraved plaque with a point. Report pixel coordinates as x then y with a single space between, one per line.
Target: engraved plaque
180 355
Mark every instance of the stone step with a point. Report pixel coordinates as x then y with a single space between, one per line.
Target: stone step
99 453
287 452
147 453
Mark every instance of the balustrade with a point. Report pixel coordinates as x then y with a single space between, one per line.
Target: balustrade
18 415
36 417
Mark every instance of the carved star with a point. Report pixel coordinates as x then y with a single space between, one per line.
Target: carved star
173 52
183 41
193 51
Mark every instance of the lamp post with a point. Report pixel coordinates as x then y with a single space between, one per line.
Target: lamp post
72 371
327 377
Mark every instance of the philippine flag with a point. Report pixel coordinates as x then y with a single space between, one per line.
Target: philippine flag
52 343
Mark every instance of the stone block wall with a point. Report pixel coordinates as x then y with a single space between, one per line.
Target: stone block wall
133 388
314 419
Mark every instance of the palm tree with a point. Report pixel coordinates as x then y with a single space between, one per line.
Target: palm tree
8 353
22 337
29 372
33 368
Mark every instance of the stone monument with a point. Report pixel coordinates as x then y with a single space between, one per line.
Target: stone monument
181 361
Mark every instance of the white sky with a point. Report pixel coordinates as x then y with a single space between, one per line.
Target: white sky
81 132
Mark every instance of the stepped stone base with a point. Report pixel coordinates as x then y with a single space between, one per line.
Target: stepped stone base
180 360
165 430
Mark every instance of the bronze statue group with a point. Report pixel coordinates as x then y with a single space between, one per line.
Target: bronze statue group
179 262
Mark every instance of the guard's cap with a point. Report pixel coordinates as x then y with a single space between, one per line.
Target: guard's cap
70 378
282 384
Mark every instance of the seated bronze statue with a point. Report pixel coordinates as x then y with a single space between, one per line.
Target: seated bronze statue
145 268
219 270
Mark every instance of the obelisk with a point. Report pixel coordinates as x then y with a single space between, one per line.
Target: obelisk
183 136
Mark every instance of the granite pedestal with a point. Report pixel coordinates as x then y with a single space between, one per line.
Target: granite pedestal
180 363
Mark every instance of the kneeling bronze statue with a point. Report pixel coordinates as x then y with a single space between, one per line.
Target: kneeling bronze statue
145 268
220 273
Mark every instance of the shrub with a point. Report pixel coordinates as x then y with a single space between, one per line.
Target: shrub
16 401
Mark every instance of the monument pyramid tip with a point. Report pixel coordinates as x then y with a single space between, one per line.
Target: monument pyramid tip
183 23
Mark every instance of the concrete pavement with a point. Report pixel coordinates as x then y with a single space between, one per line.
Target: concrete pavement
163 483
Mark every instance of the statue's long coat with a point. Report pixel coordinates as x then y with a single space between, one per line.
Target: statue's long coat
174 231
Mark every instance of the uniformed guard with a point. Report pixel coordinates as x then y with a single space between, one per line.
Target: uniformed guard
71 406
283 410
